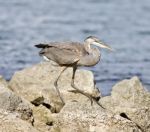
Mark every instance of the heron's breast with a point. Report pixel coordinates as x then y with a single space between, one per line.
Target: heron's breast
89 60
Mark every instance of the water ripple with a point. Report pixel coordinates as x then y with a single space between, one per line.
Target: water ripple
122 24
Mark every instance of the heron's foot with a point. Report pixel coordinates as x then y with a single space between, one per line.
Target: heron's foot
95 99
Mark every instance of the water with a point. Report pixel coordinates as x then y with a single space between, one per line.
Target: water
125 25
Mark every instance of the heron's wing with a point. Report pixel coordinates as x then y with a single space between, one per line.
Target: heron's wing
63 54
72 46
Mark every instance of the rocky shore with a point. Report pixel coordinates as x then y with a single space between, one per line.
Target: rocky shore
29 103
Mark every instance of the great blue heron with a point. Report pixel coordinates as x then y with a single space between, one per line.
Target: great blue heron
73 54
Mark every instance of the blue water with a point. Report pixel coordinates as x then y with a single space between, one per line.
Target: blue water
124 25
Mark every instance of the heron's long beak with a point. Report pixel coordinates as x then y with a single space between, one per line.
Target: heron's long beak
102 45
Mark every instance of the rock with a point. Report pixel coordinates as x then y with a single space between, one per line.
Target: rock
130 99
127 109
82 117
42 118
3 82
11 102
37 84
9 122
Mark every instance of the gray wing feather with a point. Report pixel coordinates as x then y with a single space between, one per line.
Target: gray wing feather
64 53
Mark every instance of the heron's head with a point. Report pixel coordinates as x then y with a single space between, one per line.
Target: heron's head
95 41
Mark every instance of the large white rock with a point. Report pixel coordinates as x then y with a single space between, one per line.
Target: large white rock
37 82
130 98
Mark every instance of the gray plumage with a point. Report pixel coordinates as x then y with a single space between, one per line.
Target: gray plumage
73 54
68 53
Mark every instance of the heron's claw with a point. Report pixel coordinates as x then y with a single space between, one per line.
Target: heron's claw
98 103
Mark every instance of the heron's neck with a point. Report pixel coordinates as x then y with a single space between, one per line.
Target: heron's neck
87 46
91 50
93 56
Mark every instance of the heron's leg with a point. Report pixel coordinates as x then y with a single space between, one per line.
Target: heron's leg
97 99
78 90
56 86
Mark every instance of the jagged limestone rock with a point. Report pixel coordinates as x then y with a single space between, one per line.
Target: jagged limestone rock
129 97
38 82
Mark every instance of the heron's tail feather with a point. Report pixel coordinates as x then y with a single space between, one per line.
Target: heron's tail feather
42 46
